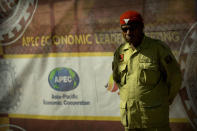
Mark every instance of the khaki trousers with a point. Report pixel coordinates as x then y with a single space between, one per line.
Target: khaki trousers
150 129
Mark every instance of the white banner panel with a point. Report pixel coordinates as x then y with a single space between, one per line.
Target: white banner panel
67 86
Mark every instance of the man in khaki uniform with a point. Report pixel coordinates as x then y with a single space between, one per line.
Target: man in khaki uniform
148 77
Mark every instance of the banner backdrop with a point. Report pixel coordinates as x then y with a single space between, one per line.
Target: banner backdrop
56 55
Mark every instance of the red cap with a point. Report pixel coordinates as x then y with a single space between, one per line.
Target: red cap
130 16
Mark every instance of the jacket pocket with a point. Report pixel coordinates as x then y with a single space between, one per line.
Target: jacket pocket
155 115
149 74
122 71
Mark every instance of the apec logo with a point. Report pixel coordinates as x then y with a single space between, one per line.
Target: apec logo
63 79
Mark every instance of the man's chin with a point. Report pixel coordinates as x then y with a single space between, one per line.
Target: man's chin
128 40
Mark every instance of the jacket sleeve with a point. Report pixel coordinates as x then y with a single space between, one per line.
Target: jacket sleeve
171 71
115 68
119 69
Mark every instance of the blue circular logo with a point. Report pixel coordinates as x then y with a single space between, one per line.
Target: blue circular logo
63 79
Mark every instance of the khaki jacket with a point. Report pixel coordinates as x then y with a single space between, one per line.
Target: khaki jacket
149 78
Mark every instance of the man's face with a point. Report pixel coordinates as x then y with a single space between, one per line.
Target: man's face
132 33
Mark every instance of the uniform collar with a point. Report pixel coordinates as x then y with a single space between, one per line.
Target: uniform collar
143 45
